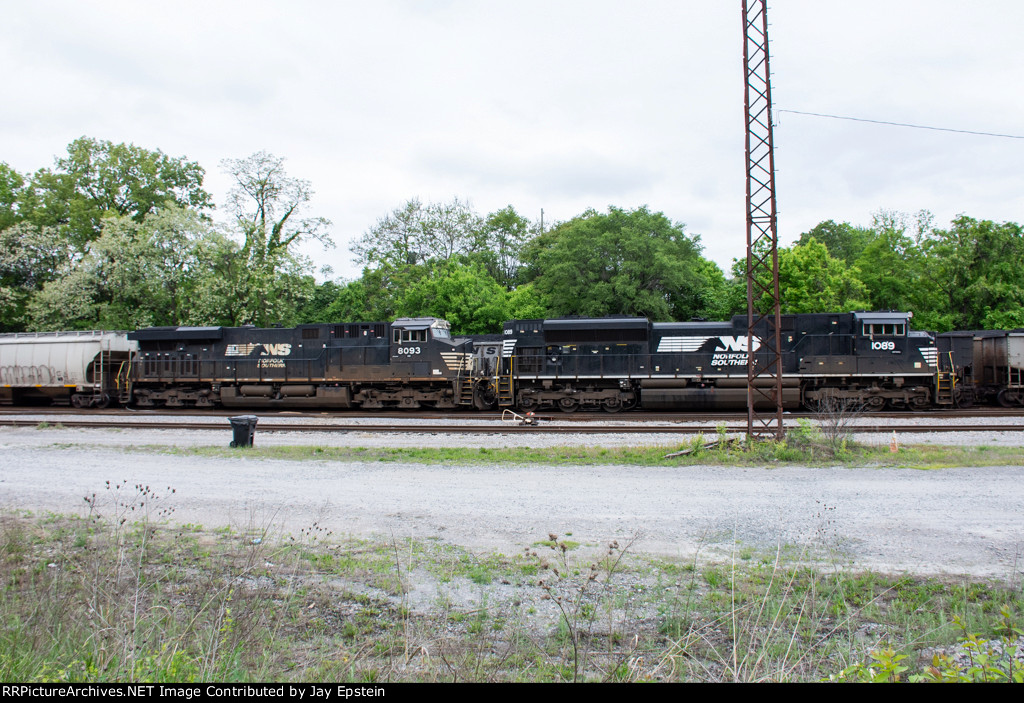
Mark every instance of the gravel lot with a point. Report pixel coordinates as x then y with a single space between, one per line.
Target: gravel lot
955 521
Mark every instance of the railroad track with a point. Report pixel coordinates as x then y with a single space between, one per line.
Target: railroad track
496 428
581 417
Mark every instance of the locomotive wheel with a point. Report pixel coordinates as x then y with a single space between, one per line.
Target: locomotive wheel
568 405
919 401
874 404
612 405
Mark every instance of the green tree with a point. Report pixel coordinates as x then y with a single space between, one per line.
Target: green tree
843 241
624 262
810 280
316 308
136 274
66 303
352 304
376 296
974 275
527 303
98 179
12 186
30 257
711 298
466 296
414 234
505 234
268 206
890 265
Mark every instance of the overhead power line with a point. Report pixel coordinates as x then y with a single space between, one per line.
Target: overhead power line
903 124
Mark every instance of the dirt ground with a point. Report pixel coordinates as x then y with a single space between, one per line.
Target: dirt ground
953 521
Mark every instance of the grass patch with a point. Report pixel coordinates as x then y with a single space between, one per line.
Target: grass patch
109 598
762 454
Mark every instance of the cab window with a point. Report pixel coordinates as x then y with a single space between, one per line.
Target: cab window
401 335
885 330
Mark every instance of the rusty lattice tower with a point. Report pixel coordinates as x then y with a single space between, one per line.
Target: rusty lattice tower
764 358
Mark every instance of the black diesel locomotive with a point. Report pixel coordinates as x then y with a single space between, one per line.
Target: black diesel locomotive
872 360
410 363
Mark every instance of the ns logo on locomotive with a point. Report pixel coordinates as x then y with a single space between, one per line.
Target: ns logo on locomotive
870 360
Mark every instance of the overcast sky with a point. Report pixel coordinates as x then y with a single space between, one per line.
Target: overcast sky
560 105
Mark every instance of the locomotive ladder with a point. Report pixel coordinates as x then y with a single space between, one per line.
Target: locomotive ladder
945 384
506 396
124 383
465 389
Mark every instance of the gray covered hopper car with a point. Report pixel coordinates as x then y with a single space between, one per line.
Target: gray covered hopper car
84 369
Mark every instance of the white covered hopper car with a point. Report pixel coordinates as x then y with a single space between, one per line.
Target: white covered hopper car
83 369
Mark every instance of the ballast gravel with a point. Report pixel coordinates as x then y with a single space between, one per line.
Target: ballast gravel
952 521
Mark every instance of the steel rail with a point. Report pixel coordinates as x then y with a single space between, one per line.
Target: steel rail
632 416
490 429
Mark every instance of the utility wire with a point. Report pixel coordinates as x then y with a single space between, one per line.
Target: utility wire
903 124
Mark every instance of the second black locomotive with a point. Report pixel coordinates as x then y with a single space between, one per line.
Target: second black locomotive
872 360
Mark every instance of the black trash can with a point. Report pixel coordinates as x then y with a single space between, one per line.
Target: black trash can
243 428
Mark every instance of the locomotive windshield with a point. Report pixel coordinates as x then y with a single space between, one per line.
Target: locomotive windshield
441 329
420 329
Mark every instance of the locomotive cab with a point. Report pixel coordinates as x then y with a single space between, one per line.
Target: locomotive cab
423 347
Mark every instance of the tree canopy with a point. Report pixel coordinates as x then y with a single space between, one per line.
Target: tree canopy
975 274
120 236
814 281
268 207
98 179
843 241
623 262
414 234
